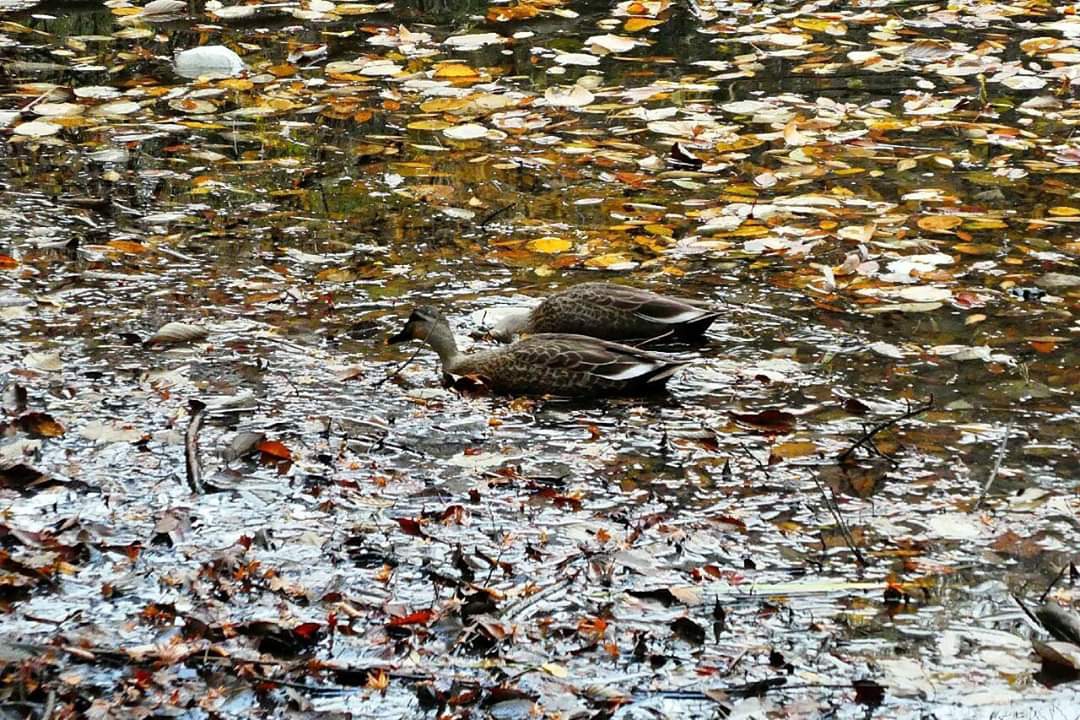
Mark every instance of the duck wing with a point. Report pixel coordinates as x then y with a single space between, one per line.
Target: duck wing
645 304
600 358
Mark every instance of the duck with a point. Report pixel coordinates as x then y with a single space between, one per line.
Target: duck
559 364
610 312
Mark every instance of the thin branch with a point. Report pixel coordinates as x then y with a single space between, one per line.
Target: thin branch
845 531
405 364
494 214
999 457
868 435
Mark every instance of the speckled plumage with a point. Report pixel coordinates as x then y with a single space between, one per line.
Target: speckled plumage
546 364
610 312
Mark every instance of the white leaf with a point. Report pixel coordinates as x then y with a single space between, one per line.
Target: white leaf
175 333
924 294
887 350
611 43
568 96
37 129
468 131
577 59
208 61
472 42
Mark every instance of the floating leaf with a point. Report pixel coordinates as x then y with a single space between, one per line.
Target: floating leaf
468 131
549 245
176 333
573 96
37 129
208 61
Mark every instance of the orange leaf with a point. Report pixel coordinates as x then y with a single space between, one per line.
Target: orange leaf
283 71
507 14
420 617
275 449
127 246
7 262
636 24
635 180
939 223
378 680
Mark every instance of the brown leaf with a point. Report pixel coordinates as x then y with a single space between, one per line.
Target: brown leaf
39 424
770 422
411 527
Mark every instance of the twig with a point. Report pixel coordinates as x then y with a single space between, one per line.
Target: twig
50 705
1042 598
845 531
868 435
999 457
495 213
405 364
191 446
513 612
176 254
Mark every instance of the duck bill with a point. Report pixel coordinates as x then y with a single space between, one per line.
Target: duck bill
399 338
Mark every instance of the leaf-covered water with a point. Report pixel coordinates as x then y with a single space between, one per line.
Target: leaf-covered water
881 197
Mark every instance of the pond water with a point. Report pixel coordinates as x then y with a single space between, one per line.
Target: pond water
881 198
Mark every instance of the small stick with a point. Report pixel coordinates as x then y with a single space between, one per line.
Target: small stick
176 254
191 446
1000 455
405 364
494 214
868 435
834 508
1042 598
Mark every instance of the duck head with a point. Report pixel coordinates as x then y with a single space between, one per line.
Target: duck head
421 325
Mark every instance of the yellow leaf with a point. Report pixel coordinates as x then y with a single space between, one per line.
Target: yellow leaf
794 449
743 143
549 245
555 670
1064 211
282 71
428 125
240 84
976 248
607 260
455 71
820 25
635 24
987 224
280 104
939 223
745 232
444 105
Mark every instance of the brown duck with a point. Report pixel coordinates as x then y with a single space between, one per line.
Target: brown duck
611 312
547 363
